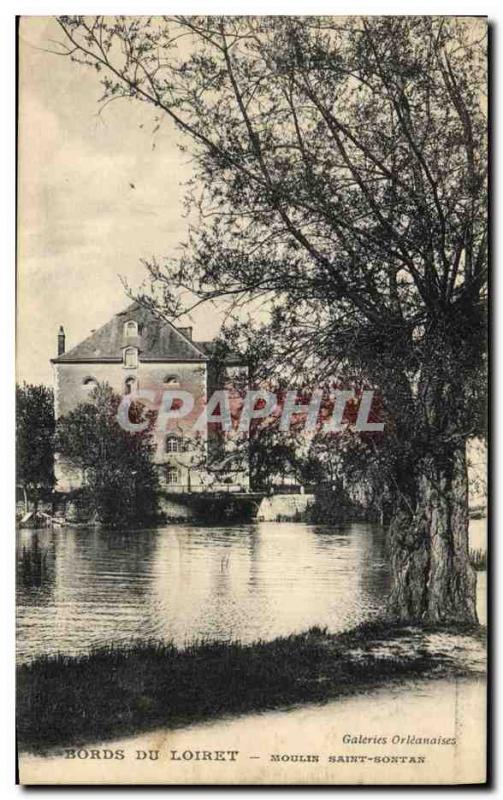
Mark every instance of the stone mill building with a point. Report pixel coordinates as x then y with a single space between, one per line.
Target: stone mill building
135 351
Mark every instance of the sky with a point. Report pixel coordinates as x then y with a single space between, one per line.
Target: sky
81 224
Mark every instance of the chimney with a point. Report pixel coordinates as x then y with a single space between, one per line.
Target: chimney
61 341
186 332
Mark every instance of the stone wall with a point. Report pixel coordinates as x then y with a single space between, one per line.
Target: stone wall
175 509
73 384
284 507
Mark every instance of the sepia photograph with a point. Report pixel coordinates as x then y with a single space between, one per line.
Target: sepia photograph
252 369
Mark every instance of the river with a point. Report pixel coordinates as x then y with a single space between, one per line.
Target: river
81 588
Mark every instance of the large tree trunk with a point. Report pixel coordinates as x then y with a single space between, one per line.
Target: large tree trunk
432 578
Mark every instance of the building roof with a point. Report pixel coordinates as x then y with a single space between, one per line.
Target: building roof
157 340
232 358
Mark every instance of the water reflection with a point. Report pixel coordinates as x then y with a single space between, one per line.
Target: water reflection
35 565
79 588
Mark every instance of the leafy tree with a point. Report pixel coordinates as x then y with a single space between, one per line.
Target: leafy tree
120 479
274 454
347 480
340 178
34 441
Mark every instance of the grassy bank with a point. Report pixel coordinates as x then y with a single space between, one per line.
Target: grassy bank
115 692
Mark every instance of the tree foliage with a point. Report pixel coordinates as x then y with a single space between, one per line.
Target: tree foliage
340 179
340 175
34 439
120 480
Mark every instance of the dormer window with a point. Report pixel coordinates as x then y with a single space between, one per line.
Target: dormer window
131 357
130 329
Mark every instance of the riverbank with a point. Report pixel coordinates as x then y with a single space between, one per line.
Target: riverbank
112 692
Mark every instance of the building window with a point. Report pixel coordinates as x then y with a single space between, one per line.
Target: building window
89 382
130 328
172 476
173 444
131 357
129 385
171 380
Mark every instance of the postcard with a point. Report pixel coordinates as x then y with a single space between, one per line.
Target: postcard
252 378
